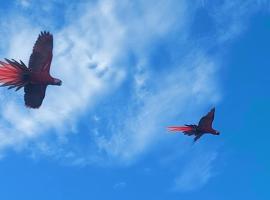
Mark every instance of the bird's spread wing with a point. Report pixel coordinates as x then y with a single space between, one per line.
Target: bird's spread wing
207 120
41 57
197 137
34 95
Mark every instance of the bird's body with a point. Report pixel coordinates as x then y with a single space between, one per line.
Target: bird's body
204 127
41 78
36 77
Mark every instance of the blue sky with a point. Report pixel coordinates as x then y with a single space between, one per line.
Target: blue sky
129 69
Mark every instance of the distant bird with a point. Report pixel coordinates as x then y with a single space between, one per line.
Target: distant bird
205 126
36 77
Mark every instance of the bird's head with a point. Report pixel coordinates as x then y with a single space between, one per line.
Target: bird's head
217 132
57 81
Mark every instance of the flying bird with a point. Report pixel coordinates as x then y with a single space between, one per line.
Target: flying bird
204 126
36 77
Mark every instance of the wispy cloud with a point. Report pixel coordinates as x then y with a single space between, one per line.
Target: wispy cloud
155 110
231 25
128 68
120 185
75 50
196 173
85 58
24 3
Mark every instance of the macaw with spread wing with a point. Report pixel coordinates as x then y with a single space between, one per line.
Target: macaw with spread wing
36 77
204 126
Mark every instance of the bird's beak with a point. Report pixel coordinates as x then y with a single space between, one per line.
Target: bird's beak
58 82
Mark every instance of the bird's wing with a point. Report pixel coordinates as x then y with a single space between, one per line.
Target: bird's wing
207 120
41 57
197 137
34 95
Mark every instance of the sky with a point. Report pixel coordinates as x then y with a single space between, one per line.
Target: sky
129 70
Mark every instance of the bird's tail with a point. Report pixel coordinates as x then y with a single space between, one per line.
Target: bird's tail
13 74
180 128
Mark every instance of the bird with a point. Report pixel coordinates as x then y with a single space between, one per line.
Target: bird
36 77
204 126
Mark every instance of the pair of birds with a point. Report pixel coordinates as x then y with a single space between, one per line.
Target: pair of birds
36 77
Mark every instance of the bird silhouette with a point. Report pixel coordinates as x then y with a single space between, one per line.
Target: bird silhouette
204 126
36 77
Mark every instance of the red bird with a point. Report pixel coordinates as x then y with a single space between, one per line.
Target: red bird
36 77
205 126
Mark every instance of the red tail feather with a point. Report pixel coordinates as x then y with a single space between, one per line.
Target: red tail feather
12 74
179 128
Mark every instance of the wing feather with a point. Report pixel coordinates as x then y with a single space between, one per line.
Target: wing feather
207 120
41 57
34 95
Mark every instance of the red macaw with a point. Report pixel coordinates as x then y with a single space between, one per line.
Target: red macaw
204 126
36 77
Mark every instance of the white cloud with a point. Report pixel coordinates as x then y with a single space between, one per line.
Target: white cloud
99 36
148 126
196 173
90 56
24 3
231 16
74 50
120 185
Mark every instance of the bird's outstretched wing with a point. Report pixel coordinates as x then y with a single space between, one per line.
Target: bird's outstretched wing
34 95
197 137
207 120
41 57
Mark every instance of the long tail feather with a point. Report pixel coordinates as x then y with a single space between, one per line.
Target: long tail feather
12 74
179 128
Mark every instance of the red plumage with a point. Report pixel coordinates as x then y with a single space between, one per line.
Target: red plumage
36 77
179 128
204 126
11 74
